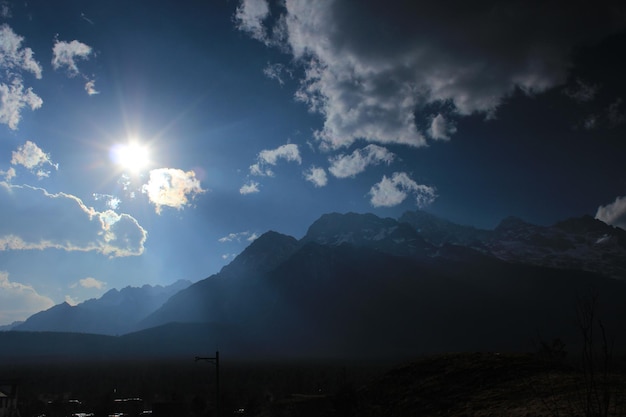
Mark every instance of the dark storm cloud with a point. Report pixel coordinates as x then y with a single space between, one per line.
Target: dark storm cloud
371 66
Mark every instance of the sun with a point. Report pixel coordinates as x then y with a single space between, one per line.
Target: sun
132 156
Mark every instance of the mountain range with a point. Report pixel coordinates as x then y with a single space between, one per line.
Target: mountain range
116 312
357 285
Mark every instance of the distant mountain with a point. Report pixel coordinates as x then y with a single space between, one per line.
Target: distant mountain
116 312
581 243
357 285
11 326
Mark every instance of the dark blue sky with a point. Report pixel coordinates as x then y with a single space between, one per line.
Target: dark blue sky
249 116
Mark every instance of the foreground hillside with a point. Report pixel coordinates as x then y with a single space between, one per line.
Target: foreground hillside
453 384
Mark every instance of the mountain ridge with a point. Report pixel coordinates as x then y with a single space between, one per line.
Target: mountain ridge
376 287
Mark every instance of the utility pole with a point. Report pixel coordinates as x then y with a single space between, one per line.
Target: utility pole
216 361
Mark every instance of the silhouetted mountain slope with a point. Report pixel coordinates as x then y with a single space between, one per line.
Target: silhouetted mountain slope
349 300
360 286
116 312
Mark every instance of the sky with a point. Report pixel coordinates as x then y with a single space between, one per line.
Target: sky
143 142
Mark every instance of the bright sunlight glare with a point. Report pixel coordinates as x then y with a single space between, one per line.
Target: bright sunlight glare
132 156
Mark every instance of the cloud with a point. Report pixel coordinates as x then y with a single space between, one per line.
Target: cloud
250 187
14 61
392 191
32 157
614 213
370 70
90 87
581 91
317 176
65 55
269 157
110 201
9 174
238 237
441 128
172 187
71 301
13 57
83 229
91 282
344 166
249 18
276 72
19 301
13 99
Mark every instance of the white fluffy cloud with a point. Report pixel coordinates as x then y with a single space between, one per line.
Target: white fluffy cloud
392 191
317 176
84 228
344 166
172 187
14 61
250 187
13 99
91 282
19 301
369 70
268 158
65 55
13 57
614 213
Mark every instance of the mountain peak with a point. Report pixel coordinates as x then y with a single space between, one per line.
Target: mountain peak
263 254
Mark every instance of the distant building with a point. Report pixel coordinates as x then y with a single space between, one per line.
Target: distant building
8 399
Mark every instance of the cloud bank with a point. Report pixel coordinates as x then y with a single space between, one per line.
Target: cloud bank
373 72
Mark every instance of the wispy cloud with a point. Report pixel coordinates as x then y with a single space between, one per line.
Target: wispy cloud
85 229
581 91
19 301
238 237
392 191
344 166
110 201
33 158
172 187
8 175
65 55
90 87
613 213
268 158
249 18
317 176
277 71
250 187
372 73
